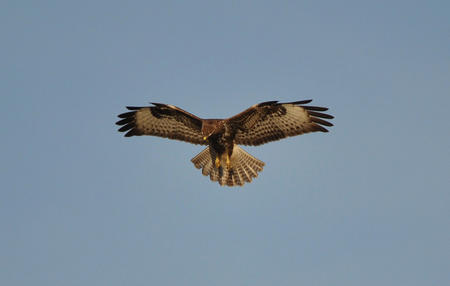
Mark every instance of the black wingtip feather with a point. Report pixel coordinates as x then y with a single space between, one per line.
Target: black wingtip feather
133 107
127 127
126 114
320 128
315 108
130 133
125 121
321 121
158 104
306 101
321 115
268 103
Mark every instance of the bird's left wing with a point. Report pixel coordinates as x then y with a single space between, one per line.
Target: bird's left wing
271 121
162 120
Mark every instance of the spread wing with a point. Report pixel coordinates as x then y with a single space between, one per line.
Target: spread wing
162 120
271 121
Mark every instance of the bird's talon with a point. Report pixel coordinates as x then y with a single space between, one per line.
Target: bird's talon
217 162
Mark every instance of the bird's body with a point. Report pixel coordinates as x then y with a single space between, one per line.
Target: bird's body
220 139
223 160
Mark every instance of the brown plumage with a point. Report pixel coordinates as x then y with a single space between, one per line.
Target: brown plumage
223 160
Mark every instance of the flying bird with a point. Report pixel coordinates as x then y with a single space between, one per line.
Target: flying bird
223 160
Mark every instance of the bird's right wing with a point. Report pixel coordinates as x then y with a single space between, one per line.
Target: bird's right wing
162 120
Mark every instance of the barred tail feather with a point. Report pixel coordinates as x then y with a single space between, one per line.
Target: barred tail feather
243 168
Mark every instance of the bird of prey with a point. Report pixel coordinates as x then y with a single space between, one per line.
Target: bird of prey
223 160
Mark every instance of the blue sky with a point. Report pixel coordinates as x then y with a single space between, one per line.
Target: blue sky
365 204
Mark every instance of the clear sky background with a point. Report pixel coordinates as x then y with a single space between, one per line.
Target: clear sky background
365 204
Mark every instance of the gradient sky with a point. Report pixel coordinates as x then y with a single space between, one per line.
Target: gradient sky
365 204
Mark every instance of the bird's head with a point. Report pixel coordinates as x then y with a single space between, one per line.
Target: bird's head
209 127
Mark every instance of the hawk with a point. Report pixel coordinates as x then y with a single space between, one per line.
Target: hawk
223 160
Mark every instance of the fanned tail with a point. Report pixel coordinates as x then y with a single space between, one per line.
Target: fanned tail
243 167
